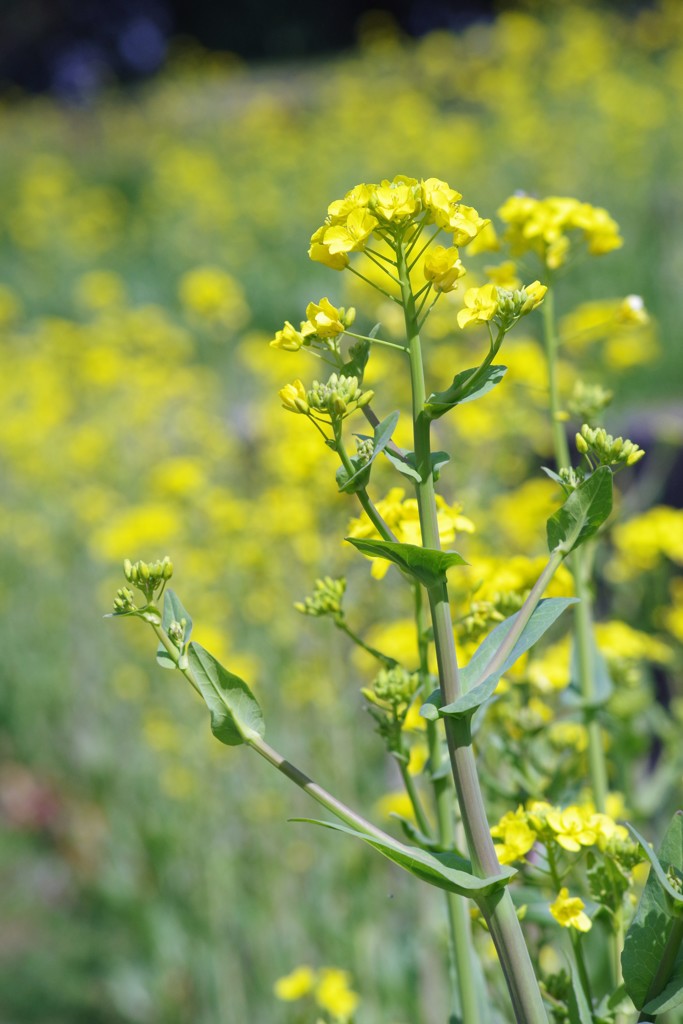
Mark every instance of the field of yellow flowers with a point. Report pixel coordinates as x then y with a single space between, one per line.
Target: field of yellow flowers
152 244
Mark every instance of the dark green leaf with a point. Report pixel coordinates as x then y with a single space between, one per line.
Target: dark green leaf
467 385
671 996
358 358
174 612
655 934
235 713
583 513
444 870
382 437
407 465
478 686
423 564
660 871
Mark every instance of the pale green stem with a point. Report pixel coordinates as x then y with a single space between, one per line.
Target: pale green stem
345 628
375 341
579 563
414 796
498 910
461 949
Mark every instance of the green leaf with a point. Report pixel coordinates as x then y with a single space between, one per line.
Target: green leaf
478 687
444 870
660 872
577 1004
467 385
423 564
603 687
656 931
382 437
174 612
671 996
235 713
408 467
359 354
582 514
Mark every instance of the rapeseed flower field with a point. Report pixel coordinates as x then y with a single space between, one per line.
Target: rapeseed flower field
154 244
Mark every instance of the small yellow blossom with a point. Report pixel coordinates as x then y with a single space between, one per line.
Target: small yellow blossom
568 911
352 235
289 338
572 829
293 397
516 835
325 319
296 985
394 201
443 268
481 305
319 252
334 994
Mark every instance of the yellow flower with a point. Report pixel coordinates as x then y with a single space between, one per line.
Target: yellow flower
440 200
296 985
572 829
334 994
466 224
481 305
395 803
320 253
443 268
356 198
517 837
535 293
394 200
568 911
289 338
293 397
325 319
352 235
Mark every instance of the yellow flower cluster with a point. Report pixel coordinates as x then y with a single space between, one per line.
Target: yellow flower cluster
324 322
386 210
330 987
544 226
572 828
484 304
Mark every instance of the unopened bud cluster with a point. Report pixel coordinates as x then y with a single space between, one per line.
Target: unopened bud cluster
326 599
608 450
364 449
589 400
337 397
148 576
394 688
484 615
176 633
124 602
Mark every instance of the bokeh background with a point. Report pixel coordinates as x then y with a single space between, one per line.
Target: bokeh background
163 168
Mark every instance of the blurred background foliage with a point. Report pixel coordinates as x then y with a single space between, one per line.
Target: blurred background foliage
153 239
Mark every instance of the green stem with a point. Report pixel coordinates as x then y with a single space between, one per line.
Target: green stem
498 910
384 658
375 341
420 816
579 562
461 949
300 779
363 497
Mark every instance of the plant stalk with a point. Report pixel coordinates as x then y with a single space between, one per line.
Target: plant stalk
498 910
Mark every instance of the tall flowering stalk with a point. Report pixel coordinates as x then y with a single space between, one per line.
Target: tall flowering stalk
390 235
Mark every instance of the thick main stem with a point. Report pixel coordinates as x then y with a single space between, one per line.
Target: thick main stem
579 563
498 910
461 949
